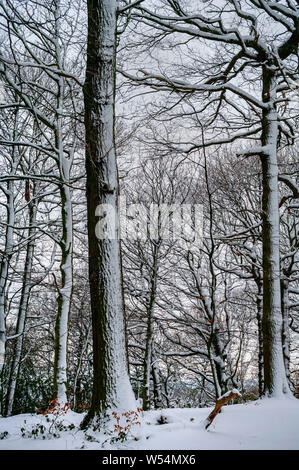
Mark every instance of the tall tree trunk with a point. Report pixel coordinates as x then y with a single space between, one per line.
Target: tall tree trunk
157 383
23 307
8 247
5 260
220 361
64 298
218 367
284 283
149 333
65 290
111 385
275 381
259 316
83 345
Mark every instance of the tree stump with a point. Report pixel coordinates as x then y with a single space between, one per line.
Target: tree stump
219 403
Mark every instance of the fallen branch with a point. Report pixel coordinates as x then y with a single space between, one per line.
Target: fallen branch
219 403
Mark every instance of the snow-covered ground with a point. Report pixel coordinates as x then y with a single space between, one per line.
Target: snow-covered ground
264 424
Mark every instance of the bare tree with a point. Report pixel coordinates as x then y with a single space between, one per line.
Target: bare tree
45 99
268 117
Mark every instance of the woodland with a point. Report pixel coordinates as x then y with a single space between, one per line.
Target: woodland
172 104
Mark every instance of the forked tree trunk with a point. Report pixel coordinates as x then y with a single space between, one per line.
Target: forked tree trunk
111 385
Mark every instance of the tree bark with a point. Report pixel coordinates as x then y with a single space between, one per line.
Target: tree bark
275 382
149 333
259 317
111 385
284 283
5 265
64 298
23 307
7 253
65 291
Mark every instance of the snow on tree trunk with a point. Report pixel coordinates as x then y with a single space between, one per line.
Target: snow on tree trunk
111 385
259 316
147 368
64 299
157 383
7 253
149 333
285 325
220 360
275 381
66 243
23 306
